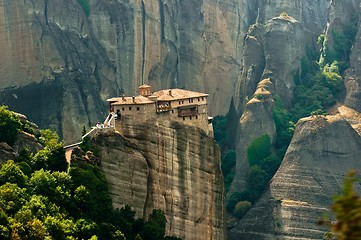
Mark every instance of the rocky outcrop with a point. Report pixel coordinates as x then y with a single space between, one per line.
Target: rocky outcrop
167 166
24 140
256 120
302 189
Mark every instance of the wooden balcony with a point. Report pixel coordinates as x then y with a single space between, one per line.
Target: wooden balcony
188 111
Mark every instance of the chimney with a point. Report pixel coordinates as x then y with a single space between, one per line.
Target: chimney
170 93
133 99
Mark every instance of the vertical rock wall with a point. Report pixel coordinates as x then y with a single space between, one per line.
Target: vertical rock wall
59 65
167 166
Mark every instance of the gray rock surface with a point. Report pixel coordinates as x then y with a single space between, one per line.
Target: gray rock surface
59 65
311 173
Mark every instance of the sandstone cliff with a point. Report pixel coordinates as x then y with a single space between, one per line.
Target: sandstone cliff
323 149
273 49
167 166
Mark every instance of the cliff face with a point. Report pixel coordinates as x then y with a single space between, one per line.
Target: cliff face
311 173
167 166
319 155
59 65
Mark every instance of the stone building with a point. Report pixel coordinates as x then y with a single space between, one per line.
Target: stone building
179 105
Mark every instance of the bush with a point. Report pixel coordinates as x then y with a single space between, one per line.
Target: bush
258 178
241 209
258 149
9 125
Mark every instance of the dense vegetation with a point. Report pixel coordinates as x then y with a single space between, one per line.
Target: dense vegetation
41 197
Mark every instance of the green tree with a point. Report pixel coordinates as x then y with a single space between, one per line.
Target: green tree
154 228
228 161
12 198
11 172
49 138
99 206
85 142
9 125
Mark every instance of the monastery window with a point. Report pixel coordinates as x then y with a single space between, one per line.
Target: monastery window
123 109
202 98
137 108
199 100
172 111
190 118
197 117
182 101
130 108
184 118
179 102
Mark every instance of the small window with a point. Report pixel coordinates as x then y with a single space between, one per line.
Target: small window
130 108
182 101
202 98
197 117
137 108
179 102
184 118
189 100
190 118
199 99
122 109
172 111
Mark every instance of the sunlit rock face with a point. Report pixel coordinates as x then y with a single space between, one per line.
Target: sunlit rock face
168 166
322 151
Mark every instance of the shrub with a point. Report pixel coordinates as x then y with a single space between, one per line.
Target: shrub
258 149
9 125
258 178
241 209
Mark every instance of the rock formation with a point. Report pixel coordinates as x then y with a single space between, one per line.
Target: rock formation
167 166
24 140
311 173
274 48
59 65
